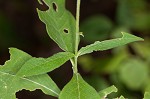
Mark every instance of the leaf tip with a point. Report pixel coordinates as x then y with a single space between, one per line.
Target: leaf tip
128 35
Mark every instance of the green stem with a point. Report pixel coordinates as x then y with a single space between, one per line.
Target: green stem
77 25
75 68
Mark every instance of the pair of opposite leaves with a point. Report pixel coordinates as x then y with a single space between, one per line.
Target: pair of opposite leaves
26 72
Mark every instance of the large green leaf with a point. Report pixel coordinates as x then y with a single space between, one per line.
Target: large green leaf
77 88
103 94
108 44
10 83
36 66
60 24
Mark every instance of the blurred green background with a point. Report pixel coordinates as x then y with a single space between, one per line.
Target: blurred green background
127 67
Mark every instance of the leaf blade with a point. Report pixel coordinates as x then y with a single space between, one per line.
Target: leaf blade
56 24
10 83
146 95
36 66
108 44
77 88
30 83
17 57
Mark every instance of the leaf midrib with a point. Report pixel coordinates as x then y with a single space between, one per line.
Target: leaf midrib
78 86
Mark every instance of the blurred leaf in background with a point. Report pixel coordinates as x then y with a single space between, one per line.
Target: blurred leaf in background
134 73
133 14
97 82
97 27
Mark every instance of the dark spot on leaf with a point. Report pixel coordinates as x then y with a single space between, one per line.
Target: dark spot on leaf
55 7
66 31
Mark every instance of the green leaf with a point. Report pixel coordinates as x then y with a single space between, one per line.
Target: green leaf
146 95
101 25
77 88
124 13
121 97
10 83
135 69
114 63
36 66
108 44
142 21
145 46
60 24
98 83
103 94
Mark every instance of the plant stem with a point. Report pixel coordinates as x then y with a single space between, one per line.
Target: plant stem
75 68
77 25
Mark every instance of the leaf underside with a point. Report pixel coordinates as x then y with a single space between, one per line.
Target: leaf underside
10 82
77 88
108 44
60 24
